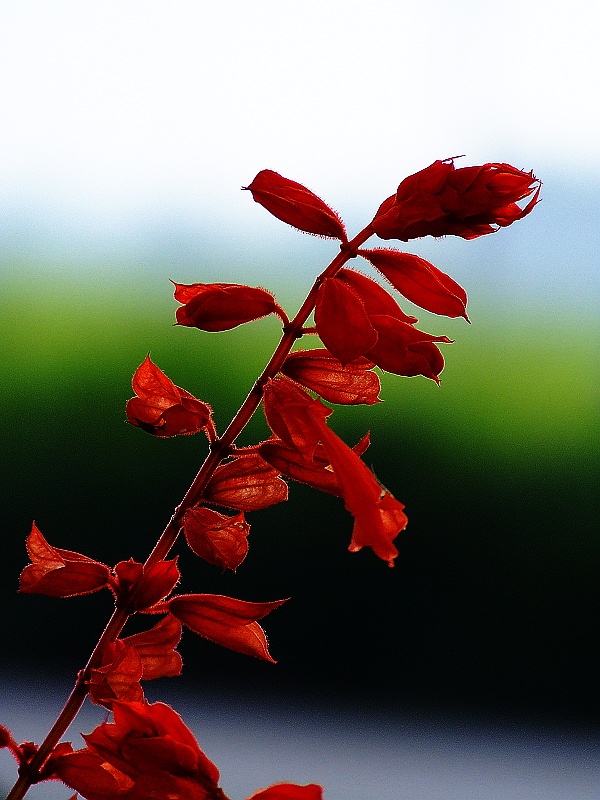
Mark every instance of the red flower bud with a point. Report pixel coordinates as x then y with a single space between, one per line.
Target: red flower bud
295 204
60 573
138 587
342 322
217 538
226 621
221 306
247 484
420 282
347 384
161 408
468 202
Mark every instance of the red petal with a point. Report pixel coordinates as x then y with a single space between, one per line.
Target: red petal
420 282
119 679
296 205
323 373
217 538
60 573
288 410
138 588
226 621
247 484
342 322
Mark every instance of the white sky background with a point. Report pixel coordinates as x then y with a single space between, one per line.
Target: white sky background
110 111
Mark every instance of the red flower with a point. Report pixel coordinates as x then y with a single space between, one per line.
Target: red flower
137 587
468 202
60 573
221 306
247 483
161 408
147 752
295 204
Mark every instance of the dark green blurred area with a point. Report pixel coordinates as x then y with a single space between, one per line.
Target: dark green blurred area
494 599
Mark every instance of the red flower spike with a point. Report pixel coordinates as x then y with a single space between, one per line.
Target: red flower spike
342 322
420 282
321 372
374 297
285 407
60 573
468 202
295 204
226 621
146 752
156 648
289 791
403 350
161 408
247 484
217 538
138 588
221 306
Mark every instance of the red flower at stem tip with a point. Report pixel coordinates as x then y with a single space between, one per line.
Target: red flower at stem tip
468 202
222 306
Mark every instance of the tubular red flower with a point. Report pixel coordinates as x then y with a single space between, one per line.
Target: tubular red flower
468 202
161 408
146 752
221 306
296 205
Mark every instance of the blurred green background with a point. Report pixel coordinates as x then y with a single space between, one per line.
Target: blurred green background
493 602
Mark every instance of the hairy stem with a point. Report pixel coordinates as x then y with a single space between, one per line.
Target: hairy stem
219 449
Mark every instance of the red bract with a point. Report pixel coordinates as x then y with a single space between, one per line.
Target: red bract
147 752
226 621
217 538
468 202
320 371
137 587
60 573
402 349
420 282
146 655
247 483
342 322
221 306
289 791
374 297
161 408
295 204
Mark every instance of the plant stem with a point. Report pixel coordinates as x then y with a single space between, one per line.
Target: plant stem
219 449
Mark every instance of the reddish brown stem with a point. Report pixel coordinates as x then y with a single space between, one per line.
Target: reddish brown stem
219 449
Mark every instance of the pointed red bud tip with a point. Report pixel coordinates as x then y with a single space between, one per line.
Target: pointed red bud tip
221 306
247 483
419 281
467 202
60 573
320 371
374 297
226 621
295 204
403 350
217 538
289 791
161 408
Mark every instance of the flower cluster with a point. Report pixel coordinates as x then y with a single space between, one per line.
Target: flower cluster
146 751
